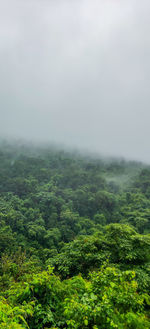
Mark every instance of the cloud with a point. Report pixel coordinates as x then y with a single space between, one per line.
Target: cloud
77 72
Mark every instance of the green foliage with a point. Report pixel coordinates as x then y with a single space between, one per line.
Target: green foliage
126 245
14 317
109 300
74 241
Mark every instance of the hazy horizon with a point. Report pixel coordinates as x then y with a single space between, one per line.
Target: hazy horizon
77 73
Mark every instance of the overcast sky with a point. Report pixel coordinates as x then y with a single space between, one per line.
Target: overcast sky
77 72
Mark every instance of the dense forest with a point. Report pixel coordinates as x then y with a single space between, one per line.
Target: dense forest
74 240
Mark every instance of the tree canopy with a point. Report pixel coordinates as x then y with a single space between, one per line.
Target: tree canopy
74 240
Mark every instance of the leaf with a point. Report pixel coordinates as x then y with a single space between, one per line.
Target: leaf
86 322
93 297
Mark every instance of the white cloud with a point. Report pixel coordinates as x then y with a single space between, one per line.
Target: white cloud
77 72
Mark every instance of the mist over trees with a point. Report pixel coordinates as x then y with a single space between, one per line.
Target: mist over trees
74 240
74 164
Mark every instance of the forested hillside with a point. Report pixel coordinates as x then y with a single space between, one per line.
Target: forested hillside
74 240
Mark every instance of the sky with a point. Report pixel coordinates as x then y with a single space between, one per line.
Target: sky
77 72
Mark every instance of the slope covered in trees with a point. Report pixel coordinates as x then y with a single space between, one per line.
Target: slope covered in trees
74 240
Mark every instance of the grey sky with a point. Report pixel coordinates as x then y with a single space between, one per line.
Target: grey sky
77 72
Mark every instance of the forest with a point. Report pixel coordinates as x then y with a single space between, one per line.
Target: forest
74 240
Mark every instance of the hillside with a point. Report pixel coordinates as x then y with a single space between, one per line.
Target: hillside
74 240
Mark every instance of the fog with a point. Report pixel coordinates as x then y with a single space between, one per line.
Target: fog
77 72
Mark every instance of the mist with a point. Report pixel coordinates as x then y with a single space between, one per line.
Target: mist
78 73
